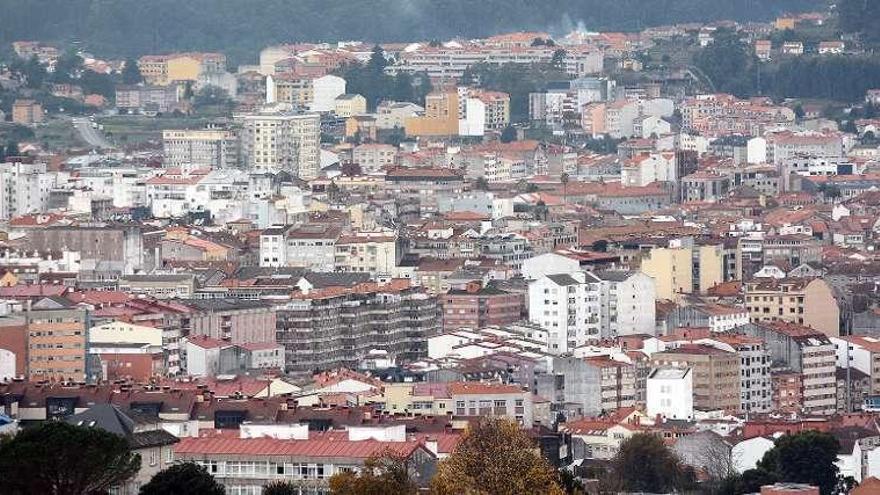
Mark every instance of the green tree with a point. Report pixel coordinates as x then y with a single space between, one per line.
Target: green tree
495 457
31 71
728 63
67 67
131 73
384 474
12 149
805 457
212 96
183 479
58 458
557 61
749 481
644 464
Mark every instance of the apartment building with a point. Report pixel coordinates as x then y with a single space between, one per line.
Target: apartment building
441 116
670 393
56 345
597 385
163 70
338 326
309 92
374 157
450 63
809 353
485 399
477 306
715 317
27 112
24 188
311 246
235 321
684 269
808 302
206 148
716 374
272 142
756 392
862 353
366 252
349 105
244 464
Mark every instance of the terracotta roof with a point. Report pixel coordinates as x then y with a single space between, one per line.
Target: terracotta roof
306 448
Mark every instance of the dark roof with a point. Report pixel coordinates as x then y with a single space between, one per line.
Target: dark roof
614 275
563 279
106 417
321 280
151 438
228 304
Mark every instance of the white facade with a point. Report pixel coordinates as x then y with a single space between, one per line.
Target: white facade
670 393
756 150
548 264
275 142
746 454
628 304
7 365
325 90
473 119
24 188
641 171
568 306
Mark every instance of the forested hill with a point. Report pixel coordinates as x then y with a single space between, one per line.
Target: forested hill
241 27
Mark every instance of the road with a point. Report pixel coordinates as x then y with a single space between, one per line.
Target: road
93 136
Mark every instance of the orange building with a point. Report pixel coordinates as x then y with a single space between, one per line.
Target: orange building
440 119
56 341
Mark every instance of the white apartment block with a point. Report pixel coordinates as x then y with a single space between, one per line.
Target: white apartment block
670 393
272 142
24 188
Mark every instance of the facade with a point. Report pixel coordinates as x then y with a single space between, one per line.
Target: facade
232 320
366 252
477 306
349 105
374 157
808 302
209 148
275 142
334 327
27 112
670 393
163 70
596 385
684 270
716 375
808 353
56 342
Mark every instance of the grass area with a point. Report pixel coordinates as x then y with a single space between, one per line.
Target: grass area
124 130
58 135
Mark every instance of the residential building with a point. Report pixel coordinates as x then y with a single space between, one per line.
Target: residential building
374 157
670 393
477 306
684 270
207 148
807 352
349 105
27 112
272 142
163 70
336 327
716 379
809 302
366 252
232 320
484 399
596 385
57 341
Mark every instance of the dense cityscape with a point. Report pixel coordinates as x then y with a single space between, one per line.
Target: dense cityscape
563 261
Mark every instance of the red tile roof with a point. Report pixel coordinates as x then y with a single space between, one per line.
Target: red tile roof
307 448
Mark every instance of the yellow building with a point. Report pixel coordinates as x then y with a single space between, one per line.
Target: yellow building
440 119
797 300
27 112
783 23
684 270
162 70
349 105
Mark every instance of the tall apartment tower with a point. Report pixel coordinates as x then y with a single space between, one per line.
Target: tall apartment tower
282 141
205 148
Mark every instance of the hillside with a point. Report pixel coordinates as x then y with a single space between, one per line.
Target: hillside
241 27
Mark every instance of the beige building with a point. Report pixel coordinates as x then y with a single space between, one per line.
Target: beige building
367 252
348 105
372 157
803 301
27 112
440 119
716 375
684 270
206 148
162 70
271 142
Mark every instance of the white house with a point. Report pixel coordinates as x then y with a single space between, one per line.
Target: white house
325 90
746 454
670 393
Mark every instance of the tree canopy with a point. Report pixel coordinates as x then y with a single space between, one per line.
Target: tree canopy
58 458
183 479
383 474
645 464
241 28
495 457
806 457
